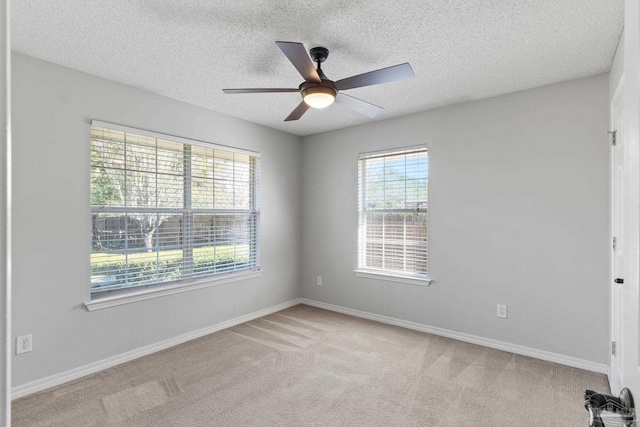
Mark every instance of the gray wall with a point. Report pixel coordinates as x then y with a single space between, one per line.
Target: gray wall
52 108
617 67
518 215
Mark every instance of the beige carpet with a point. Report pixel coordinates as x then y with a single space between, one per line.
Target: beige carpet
309 367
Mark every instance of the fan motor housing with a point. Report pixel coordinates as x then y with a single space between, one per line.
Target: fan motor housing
325 86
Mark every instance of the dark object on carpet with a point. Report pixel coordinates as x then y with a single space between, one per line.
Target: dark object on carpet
597 403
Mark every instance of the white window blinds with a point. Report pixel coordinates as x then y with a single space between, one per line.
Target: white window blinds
392 212
164 209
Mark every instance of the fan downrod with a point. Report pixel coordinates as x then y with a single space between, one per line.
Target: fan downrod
319 54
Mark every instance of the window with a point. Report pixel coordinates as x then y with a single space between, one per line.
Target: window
166 209
392 213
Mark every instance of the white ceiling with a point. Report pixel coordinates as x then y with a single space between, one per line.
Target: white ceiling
190 50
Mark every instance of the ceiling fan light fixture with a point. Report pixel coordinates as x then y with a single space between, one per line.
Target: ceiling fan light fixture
319 96
318 91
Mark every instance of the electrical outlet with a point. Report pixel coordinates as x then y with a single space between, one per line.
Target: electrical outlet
24 344
502 311
319 282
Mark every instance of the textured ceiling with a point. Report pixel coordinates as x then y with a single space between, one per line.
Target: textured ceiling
189 50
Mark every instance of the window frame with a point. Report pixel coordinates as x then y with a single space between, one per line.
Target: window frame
379 273
107 298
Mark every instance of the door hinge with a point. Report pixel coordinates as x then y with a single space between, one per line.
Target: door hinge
613 243
613 134
613 348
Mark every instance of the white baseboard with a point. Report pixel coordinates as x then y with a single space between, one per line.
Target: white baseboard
92 368
473 339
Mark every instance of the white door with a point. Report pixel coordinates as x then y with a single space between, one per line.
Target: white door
617 241
626 318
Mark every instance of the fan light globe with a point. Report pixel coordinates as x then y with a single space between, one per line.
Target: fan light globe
319 97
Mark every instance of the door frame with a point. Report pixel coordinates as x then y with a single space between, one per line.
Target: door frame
614 380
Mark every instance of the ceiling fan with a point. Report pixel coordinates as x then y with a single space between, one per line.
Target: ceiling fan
319 92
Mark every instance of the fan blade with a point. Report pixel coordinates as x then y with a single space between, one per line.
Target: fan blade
359 105
297 112
259 90
384 75
299 57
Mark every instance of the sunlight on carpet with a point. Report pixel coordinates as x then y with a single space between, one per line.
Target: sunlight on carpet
304 366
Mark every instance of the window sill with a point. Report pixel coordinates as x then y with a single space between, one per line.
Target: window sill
99 302
412 280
